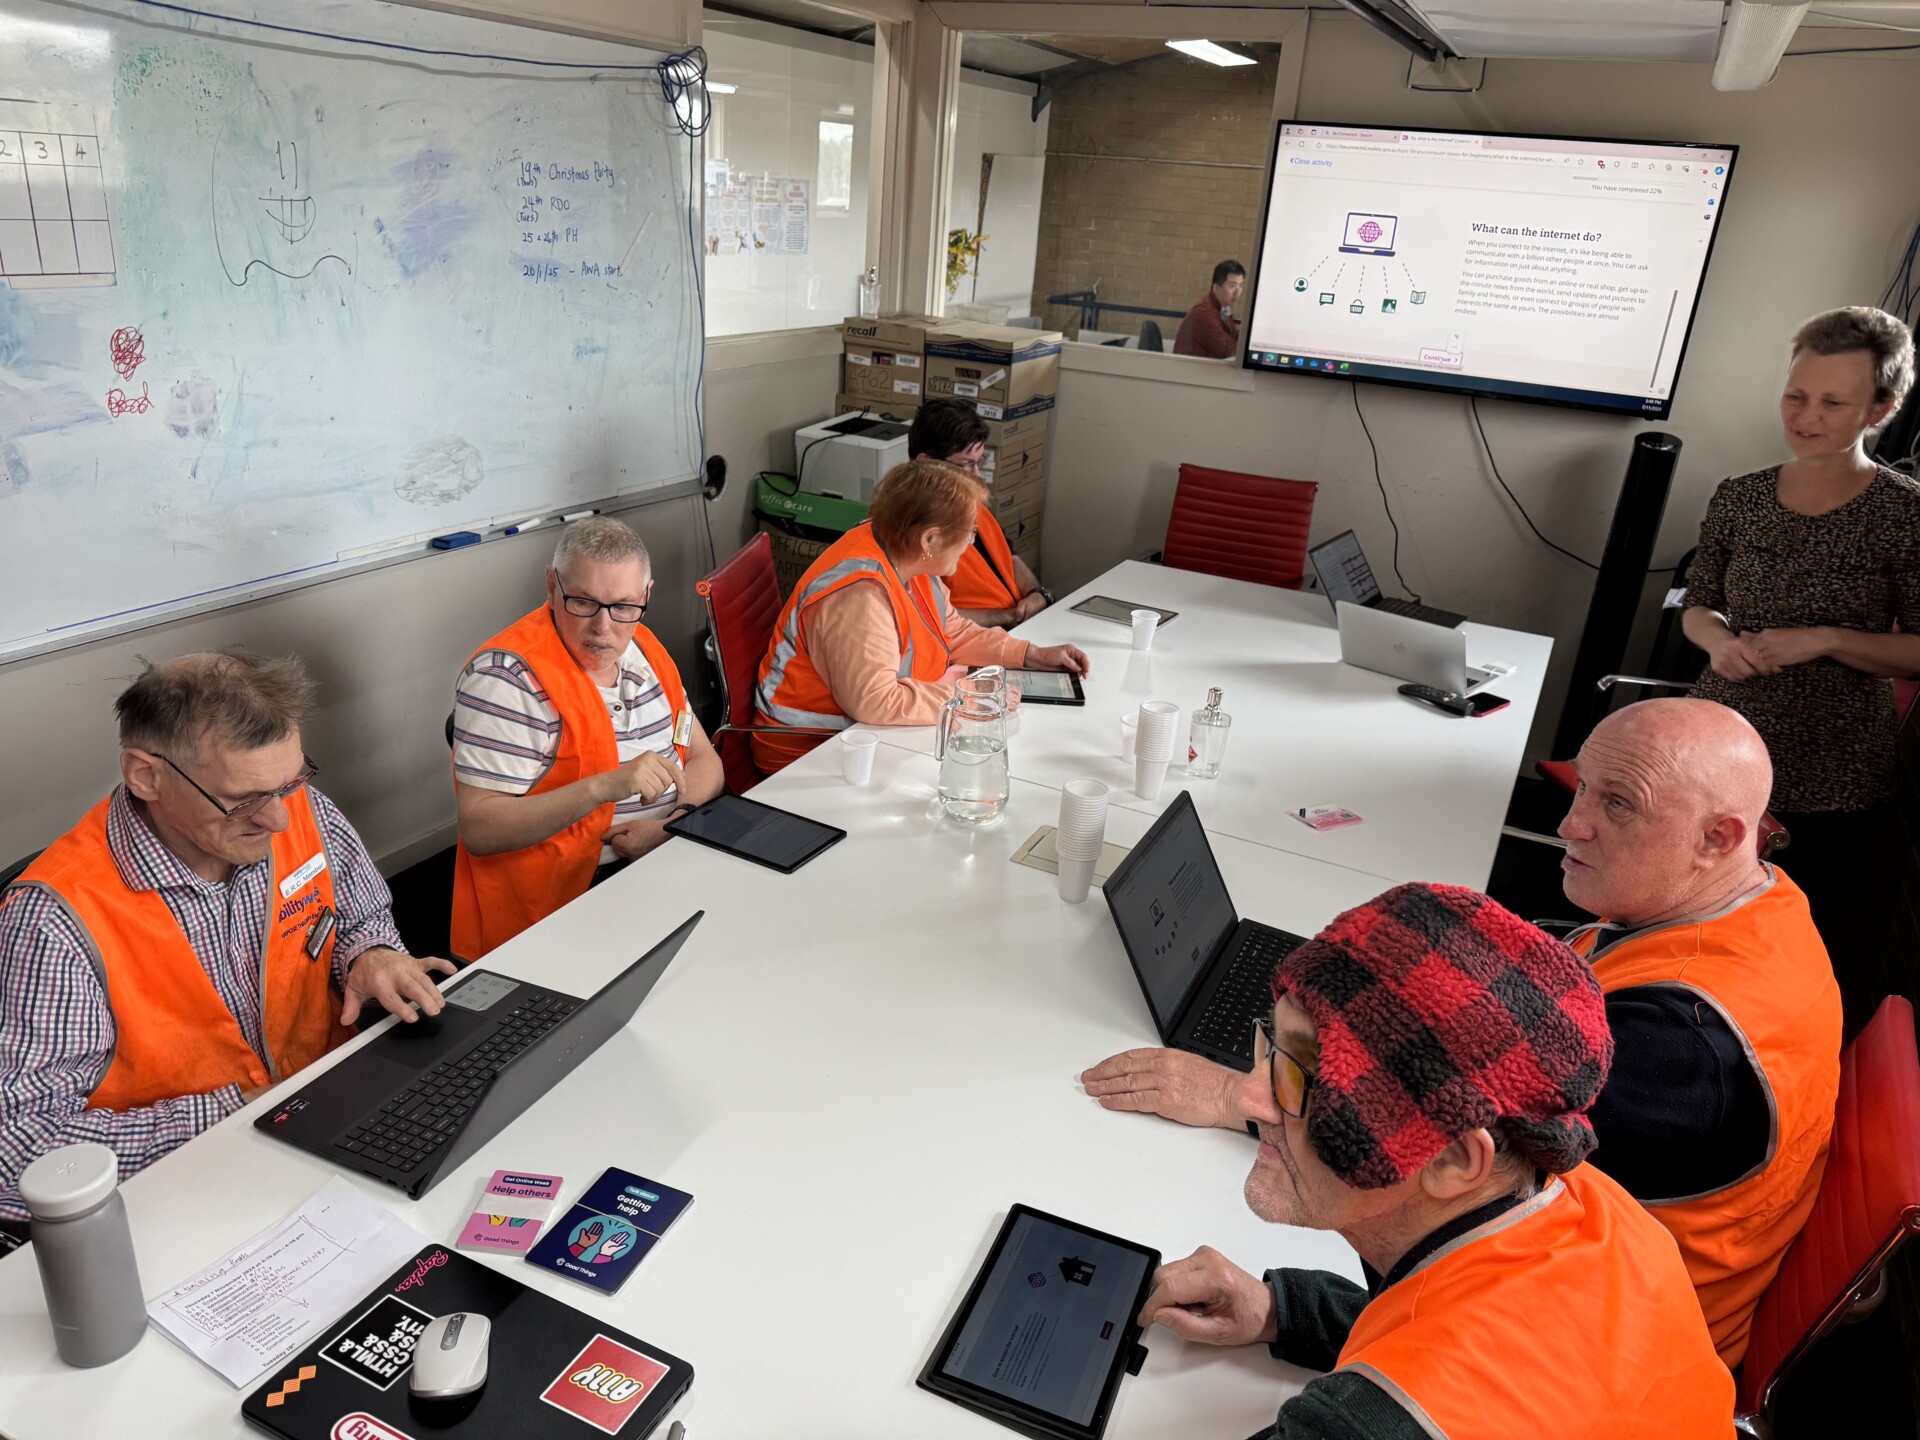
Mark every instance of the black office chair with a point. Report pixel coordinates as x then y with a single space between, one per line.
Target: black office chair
11 874
1150 337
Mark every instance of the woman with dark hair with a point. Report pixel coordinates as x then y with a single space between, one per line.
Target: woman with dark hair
1803 573
868 635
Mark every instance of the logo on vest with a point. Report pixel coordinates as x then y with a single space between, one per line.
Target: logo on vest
604 1384
294 907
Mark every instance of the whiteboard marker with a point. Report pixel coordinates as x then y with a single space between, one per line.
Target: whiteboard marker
578 515
525 525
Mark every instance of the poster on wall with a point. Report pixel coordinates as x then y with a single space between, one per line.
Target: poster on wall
796 216
766 213
730 218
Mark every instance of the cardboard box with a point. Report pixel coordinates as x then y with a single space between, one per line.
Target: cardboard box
1005 459
897 407
993 365
891 332
874 374
1024 538
1025 423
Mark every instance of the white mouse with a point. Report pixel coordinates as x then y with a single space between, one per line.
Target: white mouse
450 1357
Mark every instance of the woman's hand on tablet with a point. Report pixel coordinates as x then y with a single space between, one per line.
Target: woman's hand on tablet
1070 658
1209 1299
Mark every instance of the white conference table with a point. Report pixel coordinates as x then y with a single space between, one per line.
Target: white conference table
1432 790
855 1070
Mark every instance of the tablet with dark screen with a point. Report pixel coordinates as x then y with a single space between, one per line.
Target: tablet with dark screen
1048 1327
778 839
1047 687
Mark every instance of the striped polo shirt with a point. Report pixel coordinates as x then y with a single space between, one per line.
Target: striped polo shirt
506 730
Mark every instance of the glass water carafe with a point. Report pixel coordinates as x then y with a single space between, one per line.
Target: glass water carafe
970 743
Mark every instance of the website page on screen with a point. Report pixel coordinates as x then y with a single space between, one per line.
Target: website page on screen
1564 270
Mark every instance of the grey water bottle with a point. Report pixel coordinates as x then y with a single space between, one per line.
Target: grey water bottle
85 1250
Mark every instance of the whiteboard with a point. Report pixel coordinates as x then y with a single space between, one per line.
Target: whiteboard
273 300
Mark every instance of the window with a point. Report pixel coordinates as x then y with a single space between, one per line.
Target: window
836 164
999 149
1155 172
786 183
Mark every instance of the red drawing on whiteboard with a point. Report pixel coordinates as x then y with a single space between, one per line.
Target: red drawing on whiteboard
128 347
118 402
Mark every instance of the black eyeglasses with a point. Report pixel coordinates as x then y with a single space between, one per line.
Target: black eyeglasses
251 807
586 607
1292 1082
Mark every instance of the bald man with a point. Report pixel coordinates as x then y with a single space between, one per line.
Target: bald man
1722 1003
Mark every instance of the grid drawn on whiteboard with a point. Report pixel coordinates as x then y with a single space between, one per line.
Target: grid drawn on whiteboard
53 210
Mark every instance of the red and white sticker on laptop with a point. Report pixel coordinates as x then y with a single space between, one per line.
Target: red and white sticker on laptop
605 1384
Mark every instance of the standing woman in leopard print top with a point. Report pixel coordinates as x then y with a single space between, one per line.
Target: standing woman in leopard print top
1802 572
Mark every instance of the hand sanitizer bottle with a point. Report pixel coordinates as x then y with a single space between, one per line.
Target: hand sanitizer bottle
1207 741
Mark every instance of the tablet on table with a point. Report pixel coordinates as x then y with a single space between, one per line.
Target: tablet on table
1047 1328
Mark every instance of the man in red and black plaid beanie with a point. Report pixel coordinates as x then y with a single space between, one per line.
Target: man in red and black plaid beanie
1420 1088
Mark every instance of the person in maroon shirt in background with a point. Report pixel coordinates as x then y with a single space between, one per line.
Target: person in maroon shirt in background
1210 327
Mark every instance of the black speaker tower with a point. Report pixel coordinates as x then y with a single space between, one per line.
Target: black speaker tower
1620 583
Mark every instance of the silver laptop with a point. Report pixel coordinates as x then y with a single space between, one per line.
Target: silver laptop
1407 649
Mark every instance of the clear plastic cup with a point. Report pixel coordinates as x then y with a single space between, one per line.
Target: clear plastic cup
857 749
1129 732
1145 622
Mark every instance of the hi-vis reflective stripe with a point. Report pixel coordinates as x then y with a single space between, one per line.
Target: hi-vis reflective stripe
789 646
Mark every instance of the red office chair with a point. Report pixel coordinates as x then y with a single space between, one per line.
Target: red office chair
1245 527
743 602
1770 839
1869 1206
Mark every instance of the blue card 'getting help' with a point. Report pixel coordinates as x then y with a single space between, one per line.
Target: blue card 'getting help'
601 1239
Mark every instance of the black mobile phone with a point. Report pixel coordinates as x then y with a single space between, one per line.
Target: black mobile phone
1485 704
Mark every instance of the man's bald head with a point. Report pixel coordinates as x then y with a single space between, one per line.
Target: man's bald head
1707 756
1671 797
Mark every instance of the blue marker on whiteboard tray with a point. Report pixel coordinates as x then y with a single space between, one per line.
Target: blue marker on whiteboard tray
525 525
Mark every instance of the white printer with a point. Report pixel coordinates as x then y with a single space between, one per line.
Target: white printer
845 457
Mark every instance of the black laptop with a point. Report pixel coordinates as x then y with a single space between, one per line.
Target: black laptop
1207 974
414 1104
1345 575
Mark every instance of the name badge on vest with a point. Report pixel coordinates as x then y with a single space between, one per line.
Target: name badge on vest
683 726
320 932
300 878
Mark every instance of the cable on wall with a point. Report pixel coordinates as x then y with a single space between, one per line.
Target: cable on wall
1384 503
1473 403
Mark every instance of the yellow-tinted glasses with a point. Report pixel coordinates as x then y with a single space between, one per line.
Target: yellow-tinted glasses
1292 1082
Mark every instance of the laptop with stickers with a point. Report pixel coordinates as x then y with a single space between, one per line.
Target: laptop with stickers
551 1369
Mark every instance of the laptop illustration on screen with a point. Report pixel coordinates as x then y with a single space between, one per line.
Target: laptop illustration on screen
1369 234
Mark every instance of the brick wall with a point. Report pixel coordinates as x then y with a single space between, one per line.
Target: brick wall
1150 233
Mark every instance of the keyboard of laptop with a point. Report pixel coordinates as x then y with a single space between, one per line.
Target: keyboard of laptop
411 1127
1245 991
1414 611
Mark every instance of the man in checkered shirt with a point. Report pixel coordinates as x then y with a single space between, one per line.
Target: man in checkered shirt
211 926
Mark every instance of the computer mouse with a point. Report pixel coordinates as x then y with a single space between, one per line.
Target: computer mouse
450 1357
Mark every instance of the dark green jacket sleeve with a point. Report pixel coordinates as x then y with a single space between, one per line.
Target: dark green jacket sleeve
1343 1407
1316 1309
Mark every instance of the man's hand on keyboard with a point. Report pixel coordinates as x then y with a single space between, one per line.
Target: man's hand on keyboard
398 982
1172 1083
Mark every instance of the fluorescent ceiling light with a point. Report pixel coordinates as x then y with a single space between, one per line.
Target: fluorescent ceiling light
1211 53
1755 37
720 87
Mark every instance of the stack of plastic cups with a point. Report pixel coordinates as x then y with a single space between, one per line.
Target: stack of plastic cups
1153 748
1079 836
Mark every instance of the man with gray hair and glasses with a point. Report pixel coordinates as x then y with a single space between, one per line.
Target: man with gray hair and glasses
573 743
209 928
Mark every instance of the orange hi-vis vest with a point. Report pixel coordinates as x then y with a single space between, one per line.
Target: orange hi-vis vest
791 692
985 581
173 1034
1763 967
495 897
1569 1315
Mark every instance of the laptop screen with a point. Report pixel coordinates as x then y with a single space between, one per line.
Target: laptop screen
1172 909
1343 570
